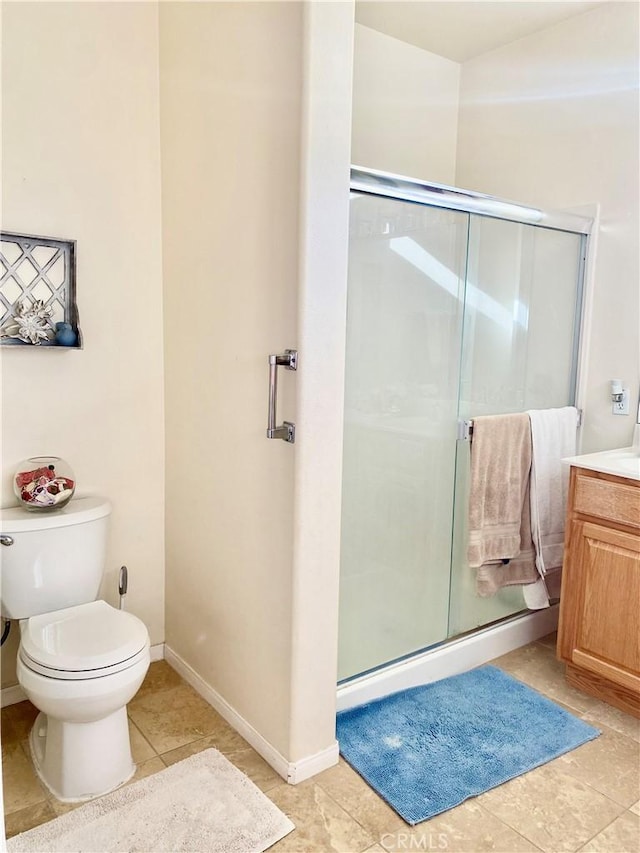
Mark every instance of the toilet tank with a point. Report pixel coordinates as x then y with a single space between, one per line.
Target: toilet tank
56 558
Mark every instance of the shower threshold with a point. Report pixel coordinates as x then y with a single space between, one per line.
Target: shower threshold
449 658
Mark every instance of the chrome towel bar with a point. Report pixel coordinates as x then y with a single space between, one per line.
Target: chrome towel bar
465 428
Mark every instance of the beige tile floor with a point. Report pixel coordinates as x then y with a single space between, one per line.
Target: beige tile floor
587 800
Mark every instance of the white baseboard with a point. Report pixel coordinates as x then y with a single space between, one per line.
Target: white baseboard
450 658
292 771
14 694
11 695
311 765
157 652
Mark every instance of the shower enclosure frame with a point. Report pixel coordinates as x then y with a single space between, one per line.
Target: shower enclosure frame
460 653
439 195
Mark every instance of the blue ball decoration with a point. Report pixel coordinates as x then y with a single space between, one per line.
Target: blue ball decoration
65 336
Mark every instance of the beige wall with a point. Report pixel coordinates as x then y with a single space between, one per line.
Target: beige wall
552 120
405 108
231 76
81 160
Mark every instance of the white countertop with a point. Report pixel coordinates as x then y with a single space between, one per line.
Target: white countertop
624 462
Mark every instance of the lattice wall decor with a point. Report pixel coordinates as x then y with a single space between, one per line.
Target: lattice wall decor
37 291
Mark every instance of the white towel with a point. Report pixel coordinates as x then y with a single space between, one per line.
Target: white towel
553 436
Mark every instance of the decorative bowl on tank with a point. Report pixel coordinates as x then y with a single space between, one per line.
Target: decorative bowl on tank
44 483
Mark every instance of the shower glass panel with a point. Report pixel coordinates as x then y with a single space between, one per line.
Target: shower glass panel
519 343
451 314
405 306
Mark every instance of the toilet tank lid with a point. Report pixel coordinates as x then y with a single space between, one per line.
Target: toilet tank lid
16 519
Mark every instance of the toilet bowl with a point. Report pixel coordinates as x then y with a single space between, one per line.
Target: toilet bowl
80 661
80 667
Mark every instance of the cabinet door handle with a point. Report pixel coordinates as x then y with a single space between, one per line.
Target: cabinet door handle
287 430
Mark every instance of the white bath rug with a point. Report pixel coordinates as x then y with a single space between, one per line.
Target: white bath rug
201 805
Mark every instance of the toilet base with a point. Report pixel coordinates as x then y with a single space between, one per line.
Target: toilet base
80 761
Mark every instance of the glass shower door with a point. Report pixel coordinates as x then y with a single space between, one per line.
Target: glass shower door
521 327
404 332
451 316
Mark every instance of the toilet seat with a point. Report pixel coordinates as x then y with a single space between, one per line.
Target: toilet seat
86 641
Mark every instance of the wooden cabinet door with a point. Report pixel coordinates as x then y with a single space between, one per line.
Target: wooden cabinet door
603 633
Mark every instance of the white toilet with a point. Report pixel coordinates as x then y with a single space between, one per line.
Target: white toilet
80 660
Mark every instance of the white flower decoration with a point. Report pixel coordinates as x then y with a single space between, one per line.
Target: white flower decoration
31 323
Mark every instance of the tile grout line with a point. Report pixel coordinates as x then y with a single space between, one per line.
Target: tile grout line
506 825
567 770
602 830
366 831
361 825
577 849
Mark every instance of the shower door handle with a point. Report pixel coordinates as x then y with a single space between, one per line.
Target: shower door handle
287 430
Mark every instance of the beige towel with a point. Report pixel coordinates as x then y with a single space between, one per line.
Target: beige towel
500 467
490 577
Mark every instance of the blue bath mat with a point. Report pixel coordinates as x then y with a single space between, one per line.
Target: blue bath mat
429 748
